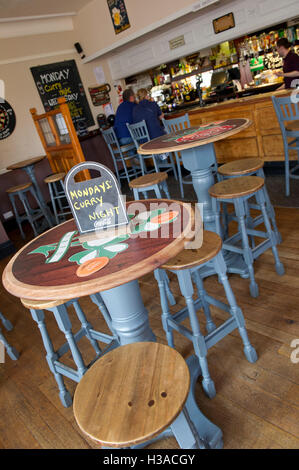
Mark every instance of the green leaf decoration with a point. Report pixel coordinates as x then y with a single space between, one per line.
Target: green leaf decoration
44 249
83 256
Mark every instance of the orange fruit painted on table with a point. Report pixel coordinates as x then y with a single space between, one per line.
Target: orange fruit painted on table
164 218
91 266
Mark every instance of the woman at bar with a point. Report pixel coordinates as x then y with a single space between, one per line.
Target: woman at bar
150 112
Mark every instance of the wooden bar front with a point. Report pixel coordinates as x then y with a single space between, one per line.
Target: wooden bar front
262 139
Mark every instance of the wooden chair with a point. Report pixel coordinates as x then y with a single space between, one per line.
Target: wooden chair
237 191
11 350
59 310
140 135
31 215
185 265
132 394
57 193
150 182
176 125
250 167
121 154
287 111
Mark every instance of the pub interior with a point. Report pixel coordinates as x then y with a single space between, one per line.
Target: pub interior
149 285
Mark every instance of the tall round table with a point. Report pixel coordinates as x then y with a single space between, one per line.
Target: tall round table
196 145
55 266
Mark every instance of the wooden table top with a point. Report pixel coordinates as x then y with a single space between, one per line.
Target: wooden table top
30 161
56 265
194 136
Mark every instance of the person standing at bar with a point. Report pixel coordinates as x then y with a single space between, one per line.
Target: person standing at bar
124 115
290 63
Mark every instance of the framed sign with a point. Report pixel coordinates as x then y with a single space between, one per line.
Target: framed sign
97 204
119 15
223 23
63 79
7 119
100 94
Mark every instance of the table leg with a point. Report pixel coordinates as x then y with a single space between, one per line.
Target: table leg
199 161
128 314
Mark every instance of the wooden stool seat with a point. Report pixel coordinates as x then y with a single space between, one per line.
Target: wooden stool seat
241 167
132 394
211 245
236 187
41 304
293 126
148 180
20 187
54 177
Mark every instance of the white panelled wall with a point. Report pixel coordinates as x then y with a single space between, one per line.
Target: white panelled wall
250 16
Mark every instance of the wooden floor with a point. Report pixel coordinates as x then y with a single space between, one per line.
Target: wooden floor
256 406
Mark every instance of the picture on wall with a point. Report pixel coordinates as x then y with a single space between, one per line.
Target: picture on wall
62 79
119 15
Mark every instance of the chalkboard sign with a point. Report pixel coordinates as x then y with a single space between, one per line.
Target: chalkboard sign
63 79
7 119
96 204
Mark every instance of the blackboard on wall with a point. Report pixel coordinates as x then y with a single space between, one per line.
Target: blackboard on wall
62 79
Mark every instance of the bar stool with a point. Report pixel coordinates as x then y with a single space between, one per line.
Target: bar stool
56 190
153 181
59 309
237 191
150 182
186 265
250 167
30 214
134 393
11 351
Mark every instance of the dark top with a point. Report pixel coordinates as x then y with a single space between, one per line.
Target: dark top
149 111
290 63
123 115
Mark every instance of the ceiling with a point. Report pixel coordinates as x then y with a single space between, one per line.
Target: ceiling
10 9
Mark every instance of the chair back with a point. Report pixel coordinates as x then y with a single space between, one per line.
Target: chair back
112 142
139 133
176 124
286 110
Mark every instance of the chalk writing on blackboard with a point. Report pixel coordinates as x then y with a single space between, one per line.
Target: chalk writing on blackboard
63 79
96 203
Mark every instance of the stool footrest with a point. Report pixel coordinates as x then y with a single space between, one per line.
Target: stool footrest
103 337
223 330
67 371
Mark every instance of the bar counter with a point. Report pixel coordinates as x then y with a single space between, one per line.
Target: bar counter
262 139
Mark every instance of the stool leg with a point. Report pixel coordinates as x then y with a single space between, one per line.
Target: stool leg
170 296
262 203
136 194
11 351
86 326
166 315
12 200
240 212
97 299
216 211
270 208
51 356
210 325
249 222
199 344
44 212
165 189
236 312
64 324
53 202
6 323
28 211
157 191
